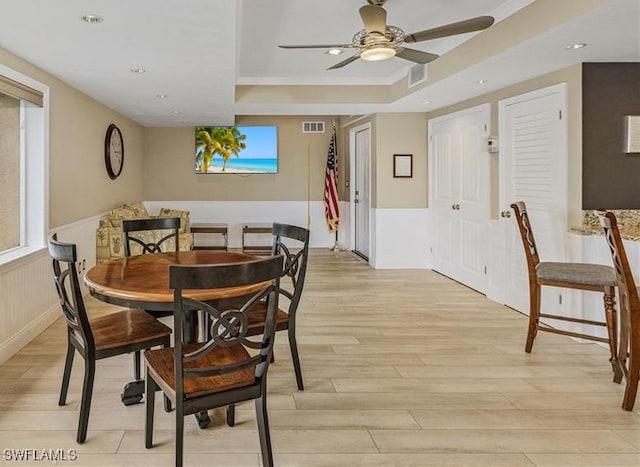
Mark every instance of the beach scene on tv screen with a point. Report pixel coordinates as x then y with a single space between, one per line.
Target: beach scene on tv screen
236 149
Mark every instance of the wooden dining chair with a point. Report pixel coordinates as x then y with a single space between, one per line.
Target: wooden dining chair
150 245
629 350
122 332
227 368
291 285
581 276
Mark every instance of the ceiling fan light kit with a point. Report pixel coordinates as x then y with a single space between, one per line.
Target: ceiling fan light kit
374 54
380 41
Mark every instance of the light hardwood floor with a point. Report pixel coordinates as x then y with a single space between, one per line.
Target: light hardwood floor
400 368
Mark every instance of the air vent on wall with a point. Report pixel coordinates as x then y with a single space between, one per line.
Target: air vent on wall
417 74
313 127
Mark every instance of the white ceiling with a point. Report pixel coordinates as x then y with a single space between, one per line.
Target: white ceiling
197 51
263 25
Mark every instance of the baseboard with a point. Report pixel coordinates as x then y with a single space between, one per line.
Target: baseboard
32 330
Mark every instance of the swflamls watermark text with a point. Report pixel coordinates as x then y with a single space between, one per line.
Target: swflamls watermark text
33 454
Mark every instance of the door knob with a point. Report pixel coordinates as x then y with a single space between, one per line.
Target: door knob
455 207
505 214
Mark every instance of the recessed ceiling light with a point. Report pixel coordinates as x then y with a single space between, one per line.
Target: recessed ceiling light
482 81
427 102
176 112
579 45
335 51
184 121
162 96
138 70
92 19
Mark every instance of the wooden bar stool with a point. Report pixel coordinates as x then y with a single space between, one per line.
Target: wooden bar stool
629 351
581 276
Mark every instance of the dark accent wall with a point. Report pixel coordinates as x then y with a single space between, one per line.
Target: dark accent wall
610 178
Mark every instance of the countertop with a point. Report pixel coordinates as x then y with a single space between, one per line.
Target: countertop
628 224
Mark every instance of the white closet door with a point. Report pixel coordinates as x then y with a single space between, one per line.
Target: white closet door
445 157
474 200
459 195
533 169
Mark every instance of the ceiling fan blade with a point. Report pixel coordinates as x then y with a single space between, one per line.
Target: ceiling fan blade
344 62
417 56
374 18
468 25
319 46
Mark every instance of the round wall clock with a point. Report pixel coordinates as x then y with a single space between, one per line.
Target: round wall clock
114 151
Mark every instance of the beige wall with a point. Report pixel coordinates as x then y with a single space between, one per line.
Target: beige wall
401 133
169 168
572 76
391 133
78 183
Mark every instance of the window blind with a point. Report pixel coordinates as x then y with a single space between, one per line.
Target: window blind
17 90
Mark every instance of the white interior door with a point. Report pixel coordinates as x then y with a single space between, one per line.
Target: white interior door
460 195
361 199
533 159
444 155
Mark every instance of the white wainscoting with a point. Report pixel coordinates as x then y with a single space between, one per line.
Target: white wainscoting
589 305
27 302
399 239
237 213
28 299
496 260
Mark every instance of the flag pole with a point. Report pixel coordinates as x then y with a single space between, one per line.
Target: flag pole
308 187
336 245
331 203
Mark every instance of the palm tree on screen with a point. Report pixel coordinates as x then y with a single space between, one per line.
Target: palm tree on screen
223 141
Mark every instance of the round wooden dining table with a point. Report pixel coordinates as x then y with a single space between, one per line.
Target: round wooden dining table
143 282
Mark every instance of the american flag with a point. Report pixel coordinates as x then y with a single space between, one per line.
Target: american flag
331 209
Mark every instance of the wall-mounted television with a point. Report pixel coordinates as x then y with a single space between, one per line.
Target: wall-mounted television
236 149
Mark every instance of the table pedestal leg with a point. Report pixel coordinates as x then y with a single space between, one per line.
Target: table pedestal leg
190 332
203 419
133 393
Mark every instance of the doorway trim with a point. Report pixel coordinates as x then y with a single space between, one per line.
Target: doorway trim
352 185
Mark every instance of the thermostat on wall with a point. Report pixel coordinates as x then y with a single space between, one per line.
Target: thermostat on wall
492 144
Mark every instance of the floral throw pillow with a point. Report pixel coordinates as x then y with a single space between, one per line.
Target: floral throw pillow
183 215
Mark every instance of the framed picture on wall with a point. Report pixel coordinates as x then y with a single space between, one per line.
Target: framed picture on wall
403 165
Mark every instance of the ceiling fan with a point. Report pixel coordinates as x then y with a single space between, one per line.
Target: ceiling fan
379 41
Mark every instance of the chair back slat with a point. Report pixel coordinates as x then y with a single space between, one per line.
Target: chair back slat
624 276
295 263
130 227
67 284
229 320
526 234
